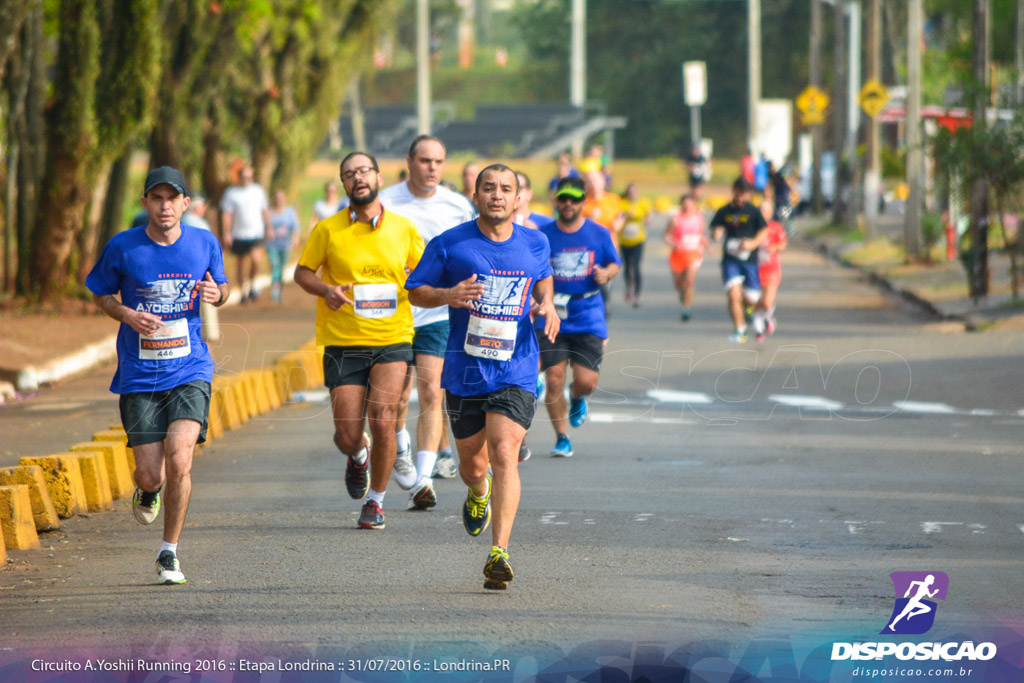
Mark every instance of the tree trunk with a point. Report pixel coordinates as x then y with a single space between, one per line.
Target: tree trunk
72 135
88 239
112 219
31 130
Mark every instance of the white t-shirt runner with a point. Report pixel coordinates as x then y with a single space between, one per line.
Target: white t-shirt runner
442 210
246 205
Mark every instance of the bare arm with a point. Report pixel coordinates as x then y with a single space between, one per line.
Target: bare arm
140 321
336 296
605 274
461 295
544 293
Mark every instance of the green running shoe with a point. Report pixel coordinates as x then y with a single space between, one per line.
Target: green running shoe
476 512
497 571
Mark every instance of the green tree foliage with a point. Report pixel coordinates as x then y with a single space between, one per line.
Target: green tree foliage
200 80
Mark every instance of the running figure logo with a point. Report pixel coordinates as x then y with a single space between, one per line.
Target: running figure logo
914 613
505 294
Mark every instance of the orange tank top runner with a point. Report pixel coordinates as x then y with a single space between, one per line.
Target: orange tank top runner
688 238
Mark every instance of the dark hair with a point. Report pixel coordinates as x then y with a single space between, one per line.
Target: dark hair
420 138
359 154
741 184
496 167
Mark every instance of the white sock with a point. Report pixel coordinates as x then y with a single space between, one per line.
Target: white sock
375 497
425 463
742 329
360 456
173 547
758 321
402 437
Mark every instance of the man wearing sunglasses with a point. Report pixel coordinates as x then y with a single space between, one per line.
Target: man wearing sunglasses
364 323
583 259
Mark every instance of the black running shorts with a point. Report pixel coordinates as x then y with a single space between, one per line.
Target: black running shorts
468 414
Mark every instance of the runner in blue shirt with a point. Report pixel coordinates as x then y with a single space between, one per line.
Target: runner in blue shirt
583 259
486 271
162 271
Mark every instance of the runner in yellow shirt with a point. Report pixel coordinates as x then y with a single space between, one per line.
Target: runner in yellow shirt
364 322
636 211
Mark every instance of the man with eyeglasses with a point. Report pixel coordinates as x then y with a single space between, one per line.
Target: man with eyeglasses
583 259
364 323
486 272
433 208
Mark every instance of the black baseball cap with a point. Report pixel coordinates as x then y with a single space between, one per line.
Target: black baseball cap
168 175
571 187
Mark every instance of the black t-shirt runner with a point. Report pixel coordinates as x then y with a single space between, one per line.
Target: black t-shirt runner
740 222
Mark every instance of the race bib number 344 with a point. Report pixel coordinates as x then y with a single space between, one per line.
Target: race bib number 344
170 341
494 339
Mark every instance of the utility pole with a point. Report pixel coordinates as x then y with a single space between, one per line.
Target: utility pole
423 67
578 63
816 134
915 151
839 113
872 175
753 71
853 112
979 190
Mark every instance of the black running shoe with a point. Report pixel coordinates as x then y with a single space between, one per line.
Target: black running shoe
356 480
371 516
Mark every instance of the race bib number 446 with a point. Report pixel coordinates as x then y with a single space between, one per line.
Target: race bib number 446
170 341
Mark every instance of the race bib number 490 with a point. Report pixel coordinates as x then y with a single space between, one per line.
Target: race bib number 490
494 339
170 341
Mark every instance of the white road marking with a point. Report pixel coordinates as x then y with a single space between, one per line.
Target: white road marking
983 412
551 518
936 527
670 396
924 407
642 517
856 526
806 401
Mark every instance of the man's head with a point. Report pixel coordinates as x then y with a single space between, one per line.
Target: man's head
594 182
360 176
740 190
525 191
426 164
246 175
470 172
164 197
198 203
496 193
569 196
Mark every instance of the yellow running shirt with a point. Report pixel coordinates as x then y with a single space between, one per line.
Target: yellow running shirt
634 232
374 260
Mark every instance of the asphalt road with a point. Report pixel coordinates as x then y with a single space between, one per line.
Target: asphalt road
723 500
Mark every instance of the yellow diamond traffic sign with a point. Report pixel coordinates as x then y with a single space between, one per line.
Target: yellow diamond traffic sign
812 103
873 97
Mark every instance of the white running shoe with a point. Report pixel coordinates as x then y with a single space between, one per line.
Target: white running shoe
445 467
168 569
405 470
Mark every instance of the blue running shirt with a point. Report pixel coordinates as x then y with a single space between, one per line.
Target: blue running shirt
573 257
161 280
494 346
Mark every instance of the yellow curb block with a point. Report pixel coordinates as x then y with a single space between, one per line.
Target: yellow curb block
3 552
16 522
116 460
261 401
215 420
241 400
119 436
43 513
95 480
63 477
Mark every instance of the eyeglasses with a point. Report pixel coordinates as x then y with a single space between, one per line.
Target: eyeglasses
362 172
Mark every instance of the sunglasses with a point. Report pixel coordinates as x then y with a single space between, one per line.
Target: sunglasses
567 198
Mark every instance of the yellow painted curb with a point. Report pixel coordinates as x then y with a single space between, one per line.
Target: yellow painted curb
3 552
241 402
270 386
43 513
63 476
215 420
116 460
16 518
120 436
254 378
95 480
252 406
